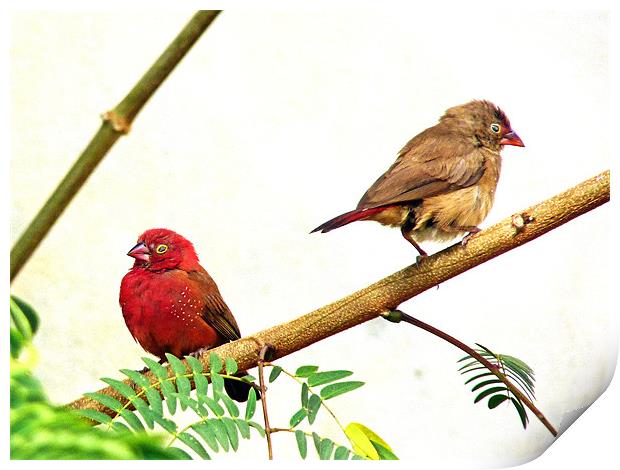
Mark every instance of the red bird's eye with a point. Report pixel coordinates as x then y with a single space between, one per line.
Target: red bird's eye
161 249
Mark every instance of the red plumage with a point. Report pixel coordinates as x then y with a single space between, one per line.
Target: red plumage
170 303
348 217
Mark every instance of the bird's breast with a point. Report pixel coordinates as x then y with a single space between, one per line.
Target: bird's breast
163 313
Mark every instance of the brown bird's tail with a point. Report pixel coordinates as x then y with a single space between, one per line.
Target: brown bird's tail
238 391
347 218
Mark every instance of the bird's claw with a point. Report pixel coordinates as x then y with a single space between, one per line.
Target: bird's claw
467 237
196 354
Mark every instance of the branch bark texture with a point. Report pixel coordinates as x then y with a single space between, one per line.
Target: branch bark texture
115 123
388 293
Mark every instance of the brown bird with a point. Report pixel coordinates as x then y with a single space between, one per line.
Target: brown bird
443 182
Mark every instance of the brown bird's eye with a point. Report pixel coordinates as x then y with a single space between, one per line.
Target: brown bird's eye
161 249
495 128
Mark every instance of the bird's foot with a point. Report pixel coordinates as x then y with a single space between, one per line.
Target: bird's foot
466 238
420 257
198 352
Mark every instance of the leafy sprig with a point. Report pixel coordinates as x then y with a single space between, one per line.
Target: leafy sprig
220 424
316 388
487 385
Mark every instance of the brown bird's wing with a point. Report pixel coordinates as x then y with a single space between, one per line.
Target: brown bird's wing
216 313
434 162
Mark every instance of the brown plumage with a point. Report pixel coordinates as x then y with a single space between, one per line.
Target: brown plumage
443 182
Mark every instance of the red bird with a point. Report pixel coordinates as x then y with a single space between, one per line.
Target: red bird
443 182
170 303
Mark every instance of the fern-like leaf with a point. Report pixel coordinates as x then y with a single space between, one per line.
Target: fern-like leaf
521 375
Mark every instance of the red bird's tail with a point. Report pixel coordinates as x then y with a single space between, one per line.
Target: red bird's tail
347 218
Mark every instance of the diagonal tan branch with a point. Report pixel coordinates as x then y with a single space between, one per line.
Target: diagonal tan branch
390 292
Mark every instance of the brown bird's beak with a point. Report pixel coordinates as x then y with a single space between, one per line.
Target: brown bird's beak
511 138
141 252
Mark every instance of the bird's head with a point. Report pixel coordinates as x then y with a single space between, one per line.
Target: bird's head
160 249
483 122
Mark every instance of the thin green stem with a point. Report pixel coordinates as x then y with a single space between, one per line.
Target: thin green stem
115 123
329 410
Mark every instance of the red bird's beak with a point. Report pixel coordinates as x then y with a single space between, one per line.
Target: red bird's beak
511 138
141 252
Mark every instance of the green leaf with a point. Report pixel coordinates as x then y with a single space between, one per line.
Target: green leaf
19 322
132 420
250 406
317 442
302 443
314 403
214 406
194 444
180 454
144 411
481 367
154 399
166 424
306 371
258 427
95 415
26 312
219 429
384 453
194 364
521 411
184 387
17 341
188 402
298 417
207 433
342 453
304 395
275 372
105 400
476 377
139 379
364 441
120 387
489 391
202 387
120 427
231 366
327 445
218 383
333 390
233 410
244 428
485 383
176 364
200 381
469 364
321 378
232 432
160 371
170 394
215 363
497 400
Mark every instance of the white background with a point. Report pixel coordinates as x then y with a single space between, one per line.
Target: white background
277 121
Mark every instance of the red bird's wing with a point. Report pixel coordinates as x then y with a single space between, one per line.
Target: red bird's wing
432 163
215 312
